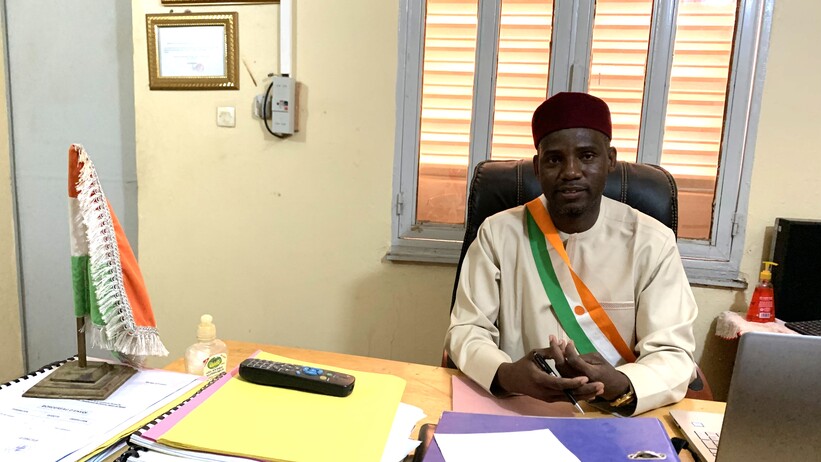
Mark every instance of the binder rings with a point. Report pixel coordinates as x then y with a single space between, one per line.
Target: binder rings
30 375
589 439
57 429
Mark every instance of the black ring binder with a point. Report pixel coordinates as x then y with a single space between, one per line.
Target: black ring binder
31 374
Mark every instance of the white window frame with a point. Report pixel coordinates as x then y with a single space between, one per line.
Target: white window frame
715 262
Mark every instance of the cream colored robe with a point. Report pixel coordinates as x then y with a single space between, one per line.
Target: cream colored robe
629 261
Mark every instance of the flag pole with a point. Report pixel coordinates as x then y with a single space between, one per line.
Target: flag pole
81 342
80 379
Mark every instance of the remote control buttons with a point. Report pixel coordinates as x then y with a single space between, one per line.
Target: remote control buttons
296 376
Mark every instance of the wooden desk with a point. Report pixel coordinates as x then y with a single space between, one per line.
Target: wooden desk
428 387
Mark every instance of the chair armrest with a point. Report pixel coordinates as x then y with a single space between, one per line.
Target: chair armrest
446 362
699 388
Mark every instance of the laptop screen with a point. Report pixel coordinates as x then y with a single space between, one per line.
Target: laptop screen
774 405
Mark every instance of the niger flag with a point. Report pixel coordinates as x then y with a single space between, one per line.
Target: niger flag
108 286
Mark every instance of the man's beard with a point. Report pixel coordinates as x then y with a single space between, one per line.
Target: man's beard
571 210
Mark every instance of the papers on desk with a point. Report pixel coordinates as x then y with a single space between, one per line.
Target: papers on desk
484 423
233 417
396 449
399 445
64 429
531 445
585 438
468 396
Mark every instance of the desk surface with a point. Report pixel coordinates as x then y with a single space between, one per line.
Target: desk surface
428 387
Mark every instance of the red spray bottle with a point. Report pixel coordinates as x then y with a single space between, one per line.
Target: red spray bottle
762 306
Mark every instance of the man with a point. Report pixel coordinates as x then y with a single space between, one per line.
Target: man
587 282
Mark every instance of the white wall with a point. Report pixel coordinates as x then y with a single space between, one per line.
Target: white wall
284 241
11 346
70 74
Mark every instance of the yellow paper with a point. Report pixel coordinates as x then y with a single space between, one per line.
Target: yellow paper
279 424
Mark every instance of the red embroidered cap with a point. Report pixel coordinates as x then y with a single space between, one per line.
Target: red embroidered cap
570 110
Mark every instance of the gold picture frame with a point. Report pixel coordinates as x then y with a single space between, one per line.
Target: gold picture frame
205 2
192 51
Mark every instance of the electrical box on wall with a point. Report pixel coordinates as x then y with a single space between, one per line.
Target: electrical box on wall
283 105
279 112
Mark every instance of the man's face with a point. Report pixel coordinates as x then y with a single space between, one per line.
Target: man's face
572 166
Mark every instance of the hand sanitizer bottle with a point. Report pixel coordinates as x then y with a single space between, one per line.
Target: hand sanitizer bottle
209 356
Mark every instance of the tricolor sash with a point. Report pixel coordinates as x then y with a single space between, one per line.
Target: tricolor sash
587 324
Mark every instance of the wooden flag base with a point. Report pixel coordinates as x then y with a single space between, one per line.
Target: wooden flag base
82 379
98 380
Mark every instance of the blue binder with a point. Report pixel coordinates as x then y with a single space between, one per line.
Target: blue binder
601 439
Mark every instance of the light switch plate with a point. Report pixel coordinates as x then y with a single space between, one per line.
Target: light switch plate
226 116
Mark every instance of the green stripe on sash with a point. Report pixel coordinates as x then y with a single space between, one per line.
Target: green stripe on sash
554 290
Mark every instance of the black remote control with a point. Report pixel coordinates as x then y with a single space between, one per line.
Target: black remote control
304 378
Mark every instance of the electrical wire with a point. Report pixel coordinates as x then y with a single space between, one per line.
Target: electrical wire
266 115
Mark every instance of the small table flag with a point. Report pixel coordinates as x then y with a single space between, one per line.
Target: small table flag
108 287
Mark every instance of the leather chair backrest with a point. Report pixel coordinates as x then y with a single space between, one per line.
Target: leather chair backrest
502 184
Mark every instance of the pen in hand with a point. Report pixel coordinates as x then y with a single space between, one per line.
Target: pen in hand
543 365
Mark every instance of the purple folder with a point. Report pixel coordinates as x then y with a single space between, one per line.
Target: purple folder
589 439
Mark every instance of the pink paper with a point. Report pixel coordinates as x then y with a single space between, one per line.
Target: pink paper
156 431
468 396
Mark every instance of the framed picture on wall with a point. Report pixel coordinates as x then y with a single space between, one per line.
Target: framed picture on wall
192 51
205 2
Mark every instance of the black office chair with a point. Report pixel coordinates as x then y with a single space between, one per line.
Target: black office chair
501 184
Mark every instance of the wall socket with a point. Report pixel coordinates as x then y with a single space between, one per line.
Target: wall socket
226 116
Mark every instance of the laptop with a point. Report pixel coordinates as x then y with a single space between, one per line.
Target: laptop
773 407
812 327
701 430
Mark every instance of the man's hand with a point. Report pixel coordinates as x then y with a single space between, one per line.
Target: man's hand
593 366
525 377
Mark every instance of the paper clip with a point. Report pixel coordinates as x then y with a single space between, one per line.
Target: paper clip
647 455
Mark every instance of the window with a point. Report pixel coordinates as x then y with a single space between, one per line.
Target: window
682 80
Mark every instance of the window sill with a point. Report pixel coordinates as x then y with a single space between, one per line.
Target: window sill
418 254
714 281
449 255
